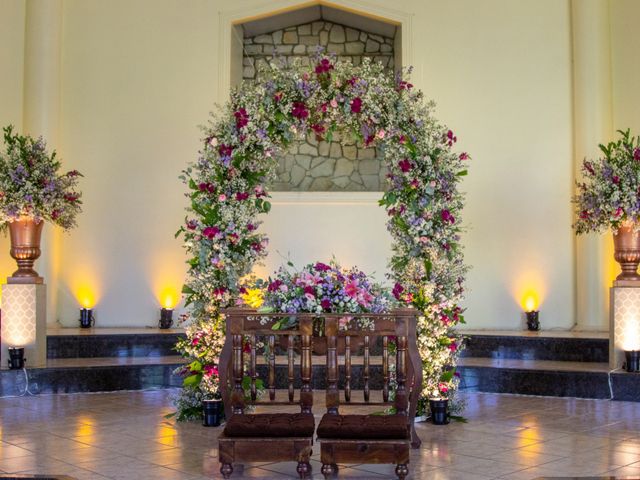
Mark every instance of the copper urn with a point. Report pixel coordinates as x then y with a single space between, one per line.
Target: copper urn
25 249
626 244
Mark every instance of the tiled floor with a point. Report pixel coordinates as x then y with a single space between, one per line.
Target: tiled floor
125 436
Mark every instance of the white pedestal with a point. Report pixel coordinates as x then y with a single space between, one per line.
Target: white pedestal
24 323
624 329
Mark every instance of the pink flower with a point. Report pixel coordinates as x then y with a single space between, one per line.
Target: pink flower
451 138
619 212
240 196
195 341
299 110
242 119
356 105
321 267
324 66
616 179
192 224
325 304
443 387
380 134
210 232
225 150
405 165
256 247
333 103
447 217
251 227
260 191
636 153
219 292
453 347
206 187
275 285
222 197
397 290
278 96
351 288
210 371
317 128
309 291
584 214
464 156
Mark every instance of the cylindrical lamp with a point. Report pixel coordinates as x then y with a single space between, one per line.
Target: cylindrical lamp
632 361
86 318
166 318
439 408
16 358
533 320
212 412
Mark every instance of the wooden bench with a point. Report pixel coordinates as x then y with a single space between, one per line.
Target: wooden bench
343 438
286 436
372 438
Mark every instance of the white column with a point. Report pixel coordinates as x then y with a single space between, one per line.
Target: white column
43 37
592 125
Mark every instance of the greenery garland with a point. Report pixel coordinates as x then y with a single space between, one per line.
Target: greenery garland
227 192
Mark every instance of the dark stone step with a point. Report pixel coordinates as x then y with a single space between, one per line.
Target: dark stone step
106 378
544 382
112 345
562 349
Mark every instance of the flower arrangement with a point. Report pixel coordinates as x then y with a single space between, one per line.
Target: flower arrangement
321 287
609 194
31 184
227 191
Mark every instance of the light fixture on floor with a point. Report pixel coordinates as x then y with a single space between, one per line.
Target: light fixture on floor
166 318
533 315
87 320
16 358
632 361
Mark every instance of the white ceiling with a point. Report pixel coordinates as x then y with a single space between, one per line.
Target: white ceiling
314 13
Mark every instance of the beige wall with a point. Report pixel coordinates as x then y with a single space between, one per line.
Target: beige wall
139 76
12 14
625 60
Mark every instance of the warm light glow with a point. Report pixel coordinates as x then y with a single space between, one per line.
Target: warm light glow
86 297
631 334
254 297
169 297
530 302
529 289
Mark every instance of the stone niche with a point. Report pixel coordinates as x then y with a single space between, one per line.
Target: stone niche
341 165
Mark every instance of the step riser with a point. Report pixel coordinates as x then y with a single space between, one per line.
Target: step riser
538 348
94 346
493 380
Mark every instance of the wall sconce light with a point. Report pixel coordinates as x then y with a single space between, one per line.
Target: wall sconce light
533 315
16 358
87 320
166 318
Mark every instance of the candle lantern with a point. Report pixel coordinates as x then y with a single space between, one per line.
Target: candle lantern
632 361
212 412
166 318
16 358
87 320
533 315
439 408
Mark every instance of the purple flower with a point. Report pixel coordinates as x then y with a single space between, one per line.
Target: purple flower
405 165
397 291
210 232
447 217
242 119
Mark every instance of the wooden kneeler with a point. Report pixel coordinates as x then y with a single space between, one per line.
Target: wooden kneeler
373 438
264 437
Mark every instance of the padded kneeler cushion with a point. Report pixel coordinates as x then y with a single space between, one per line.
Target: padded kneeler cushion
270 425
365 427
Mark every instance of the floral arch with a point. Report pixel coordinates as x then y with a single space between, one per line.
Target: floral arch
227 191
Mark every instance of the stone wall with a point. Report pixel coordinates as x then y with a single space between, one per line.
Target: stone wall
313 165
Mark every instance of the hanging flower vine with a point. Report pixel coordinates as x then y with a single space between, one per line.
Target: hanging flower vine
227 191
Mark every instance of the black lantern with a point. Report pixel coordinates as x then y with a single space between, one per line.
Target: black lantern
533 321
16 358
439 408
166 318
86 318
212 412
632 361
